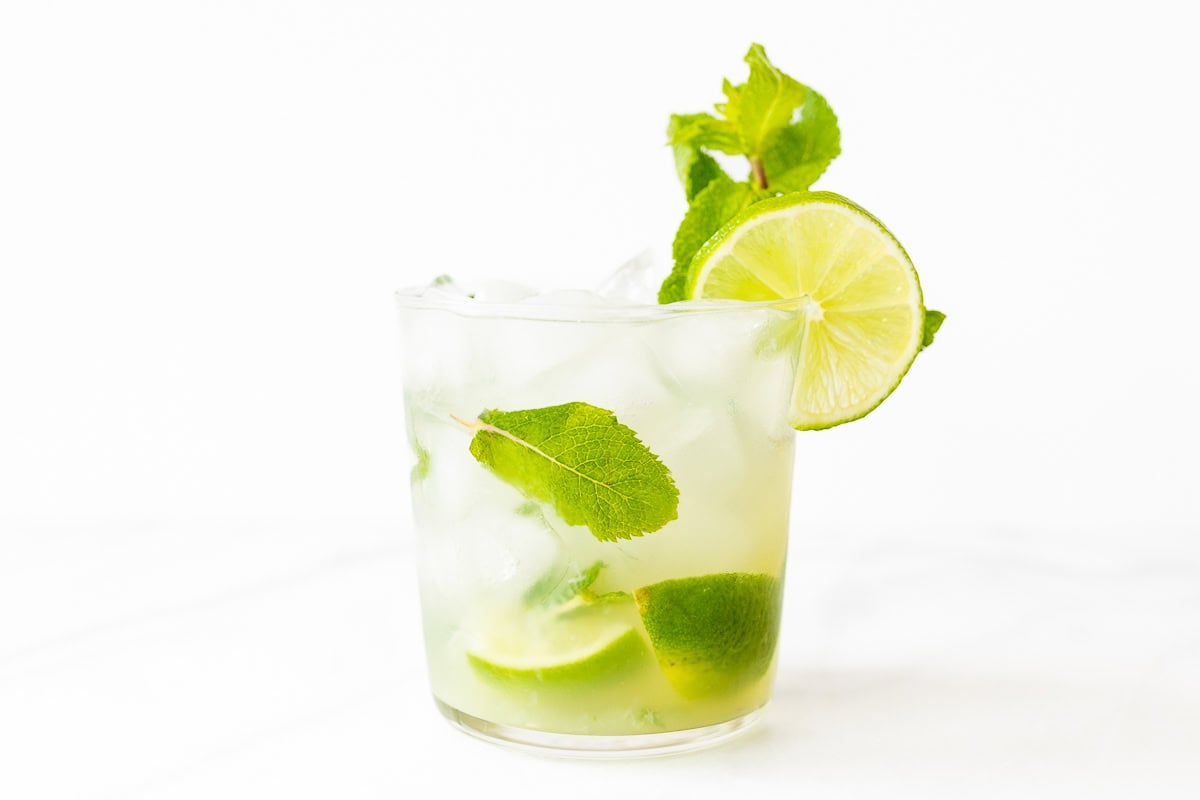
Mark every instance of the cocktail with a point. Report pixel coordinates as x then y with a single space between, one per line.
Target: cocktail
602 497
601 487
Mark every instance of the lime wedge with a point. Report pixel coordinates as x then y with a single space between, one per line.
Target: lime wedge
862 310
585 651
712 633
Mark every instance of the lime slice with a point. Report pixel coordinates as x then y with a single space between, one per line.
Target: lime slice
863 314
712 633
584 651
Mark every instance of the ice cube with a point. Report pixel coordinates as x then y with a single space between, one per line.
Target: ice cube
727 394
493 554
477 532
608 366
635 281
704 351
503 292
451 482
567 297
444 287
438 349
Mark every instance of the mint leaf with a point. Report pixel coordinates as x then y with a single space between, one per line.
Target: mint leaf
763 104
794 156
569 594
575 585
704 131
544 587
593 470
787 131
695 167
420 470
728 109
933 321
719 202
558 585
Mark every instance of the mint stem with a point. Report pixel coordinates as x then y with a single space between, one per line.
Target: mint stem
758 174
478 424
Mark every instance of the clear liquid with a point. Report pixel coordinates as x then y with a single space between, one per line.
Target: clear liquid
703 393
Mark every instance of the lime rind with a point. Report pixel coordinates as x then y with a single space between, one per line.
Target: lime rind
862 304
610 654
712 633
566 636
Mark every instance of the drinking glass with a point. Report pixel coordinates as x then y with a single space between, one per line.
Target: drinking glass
540 634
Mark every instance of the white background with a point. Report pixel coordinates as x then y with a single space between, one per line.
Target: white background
204 541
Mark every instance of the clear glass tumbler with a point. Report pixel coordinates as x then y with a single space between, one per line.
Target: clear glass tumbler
570 602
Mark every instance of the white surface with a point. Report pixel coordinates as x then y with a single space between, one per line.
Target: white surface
283 660
204 208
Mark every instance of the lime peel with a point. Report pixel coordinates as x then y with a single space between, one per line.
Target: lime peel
712 633
864 318
612 652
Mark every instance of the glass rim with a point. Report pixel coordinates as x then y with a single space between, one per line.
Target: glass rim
414 299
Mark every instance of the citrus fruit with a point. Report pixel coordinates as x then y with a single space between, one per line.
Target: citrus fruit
583 650
861 310
712 633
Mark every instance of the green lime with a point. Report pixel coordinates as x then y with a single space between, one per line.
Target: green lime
584 650
862 309
712 633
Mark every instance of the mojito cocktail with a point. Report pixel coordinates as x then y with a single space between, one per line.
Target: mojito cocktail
601 488
602 498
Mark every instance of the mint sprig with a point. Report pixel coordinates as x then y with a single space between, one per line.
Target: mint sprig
578 458
762 106
787 132
720 200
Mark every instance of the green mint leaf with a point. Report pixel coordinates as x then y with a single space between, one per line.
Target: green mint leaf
763 104
695 167
558 585
420 470
575 585
933 321
544 587
702 170
731 92
788 133
704 131
568 593
794 156
719 202
590 468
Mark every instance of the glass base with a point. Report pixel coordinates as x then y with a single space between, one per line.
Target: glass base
571 745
